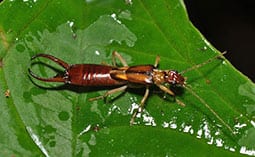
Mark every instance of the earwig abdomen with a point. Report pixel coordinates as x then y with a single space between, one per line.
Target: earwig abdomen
91 75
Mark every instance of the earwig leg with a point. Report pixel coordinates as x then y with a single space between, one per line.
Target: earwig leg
157 61
120 89
168 91
141 106
165 89
104 63
179 102
115 55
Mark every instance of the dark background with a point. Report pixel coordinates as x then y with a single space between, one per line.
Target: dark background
228 26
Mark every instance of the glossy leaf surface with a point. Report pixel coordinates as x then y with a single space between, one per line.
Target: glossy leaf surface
55 120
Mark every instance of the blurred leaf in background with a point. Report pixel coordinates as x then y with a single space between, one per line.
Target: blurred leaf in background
60 121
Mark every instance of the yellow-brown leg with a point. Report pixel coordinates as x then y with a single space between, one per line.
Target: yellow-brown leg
168 91
156 61
165 89
115 55
120 89
141 106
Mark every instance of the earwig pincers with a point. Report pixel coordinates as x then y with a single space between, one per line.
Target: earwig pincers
141 76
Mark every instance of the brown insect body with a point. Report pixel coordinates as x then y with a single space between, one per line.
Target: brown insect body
126 76
91 75
104 75
142 74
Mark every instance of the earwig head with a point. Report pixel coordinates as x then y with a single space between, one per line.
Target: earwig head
175 78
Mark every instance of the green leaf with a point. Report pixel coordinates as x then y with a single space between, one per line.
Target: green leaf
47 119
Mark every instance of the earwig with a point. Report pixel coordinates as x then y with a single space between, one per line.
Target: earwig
124 77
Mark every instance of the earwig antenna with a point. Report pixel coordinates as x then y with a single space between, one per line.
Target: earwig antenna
204 63
209 108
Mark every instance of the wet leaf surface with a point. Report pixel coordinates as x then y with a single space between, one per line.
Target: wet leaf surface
51 119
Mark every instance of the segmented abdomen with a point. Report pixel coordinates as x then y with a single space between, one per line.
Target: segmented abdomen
91 75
